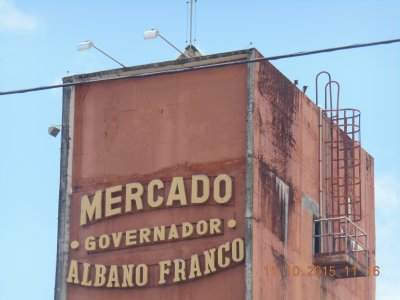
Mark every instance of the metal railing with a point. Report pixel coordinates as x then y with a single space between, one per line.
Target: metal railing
339 235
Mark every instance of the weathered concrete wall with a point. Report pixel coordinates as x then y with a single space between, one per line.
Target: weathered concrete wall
248 121
286 170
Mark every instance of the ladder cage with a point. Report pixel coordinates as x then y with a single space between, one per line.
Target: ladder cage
343 149
337 239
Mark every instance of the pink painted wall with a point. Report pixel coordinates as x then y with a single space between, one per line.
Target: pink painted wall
195 123
136 130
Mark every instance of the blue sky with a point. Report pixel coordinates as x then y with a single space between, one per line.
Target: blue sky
38 47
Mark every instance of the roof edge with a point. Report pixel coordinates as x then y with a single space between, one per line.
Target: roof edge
165 65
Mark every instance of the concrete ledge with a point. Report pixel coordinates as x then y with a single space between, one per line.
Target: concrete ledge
310 205
345 265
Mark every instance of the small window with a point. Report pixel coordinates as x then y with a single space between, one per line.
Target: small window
317 240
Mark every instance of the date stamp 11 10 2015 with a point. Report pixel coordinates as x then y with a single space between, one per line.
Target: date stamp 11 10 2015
312 270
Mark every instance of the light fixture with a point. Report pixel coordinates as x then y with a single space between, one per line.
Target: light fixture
151 34
54 130
154 33
86 45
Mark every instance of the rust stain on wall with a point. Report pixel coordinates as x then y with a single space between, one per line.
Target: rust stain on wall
283 101
281 262
274 202
286 143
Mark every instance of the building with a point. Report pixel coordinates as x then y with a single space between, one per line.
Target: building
211 178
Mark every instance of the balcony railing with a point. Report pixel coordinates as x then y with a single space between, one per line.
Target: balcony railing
340 242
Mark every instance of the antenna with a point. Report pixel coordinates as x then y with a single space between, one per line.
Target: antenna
190 22
190 49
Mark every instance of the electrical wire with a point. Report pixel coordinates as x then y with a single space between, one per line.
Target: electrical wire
195 68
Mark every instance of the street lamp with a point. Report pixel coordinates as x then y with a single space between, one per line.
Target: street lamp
86 45
154 33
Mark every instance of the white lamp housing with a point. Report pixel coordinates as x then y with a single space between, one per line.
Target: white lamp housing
151 34
86 45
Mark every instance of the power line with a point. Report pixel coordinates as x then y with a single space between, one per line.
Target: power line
186 69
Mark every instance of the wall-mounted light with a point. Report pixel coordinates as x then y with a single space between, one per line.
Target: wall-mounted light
154 33
54 130
86 45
